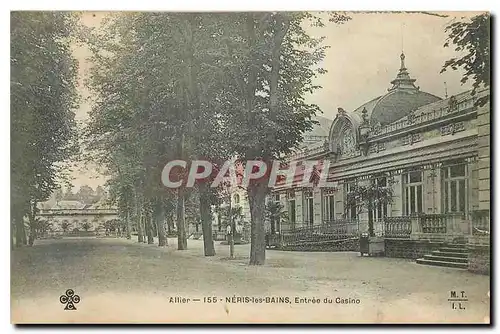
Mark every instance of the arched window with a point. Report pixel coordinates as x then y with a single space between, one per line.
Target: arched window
237 199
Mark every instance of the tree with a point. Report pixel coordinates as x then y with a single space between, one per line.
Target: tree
85 194
157 108
43 100
368 196
58 195
271 61
276 214
191 86
472 39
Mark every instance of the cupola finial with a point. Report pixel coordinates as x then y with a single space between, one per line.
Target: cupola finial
403 81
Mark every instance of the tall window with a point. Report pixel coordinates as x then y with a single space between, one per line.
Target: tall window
351 211
277 198
379 210
413 192
292 218
236 199
455 187
328 205
309 208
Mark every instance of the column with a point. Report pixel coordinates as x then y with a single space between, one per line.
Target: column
396 207
483 138
473 193
317 219
432 182
299 212
339 201
363 215
285 223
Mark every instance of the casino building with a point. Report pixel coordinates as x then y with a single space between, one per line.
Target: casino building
432 153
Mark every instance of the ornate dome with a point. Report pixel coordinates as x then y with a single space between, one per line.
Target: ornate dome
402 98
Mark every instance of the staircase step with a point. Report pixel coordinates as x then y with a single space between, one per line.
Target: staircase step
450 254
453 249
446 258
456 245
442 263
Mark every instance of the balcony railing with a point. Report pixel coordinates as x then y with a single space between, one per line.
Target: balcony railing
330 230
480 221
430 112
433 223
397 227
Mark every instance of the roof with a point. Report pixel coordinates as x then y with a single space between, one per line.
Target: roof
401 99
319 132
69 205
395 105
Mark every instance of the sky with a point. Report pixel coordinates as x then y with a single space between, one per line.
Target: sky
362 60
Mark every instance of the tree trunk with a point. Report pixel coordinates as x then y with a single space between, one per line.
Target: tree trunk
149 227
32 236
370 220
231 223
153 226
257 194
127 224
273 228
140 231
160 222
24 236
206 221
32 219
138 218
144 226
20 231
181 221
170 223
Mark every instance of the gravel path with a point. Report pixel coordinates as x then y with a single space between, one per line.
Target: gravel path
123 281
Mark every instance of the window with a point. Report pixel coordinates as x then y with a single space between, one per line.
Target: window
291 209
328 205
380 209
413 192
277 198
237 199
351 211
308 208
454 187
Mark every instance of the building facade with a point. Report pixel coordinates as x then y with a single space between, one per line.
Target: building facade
433 153
74 216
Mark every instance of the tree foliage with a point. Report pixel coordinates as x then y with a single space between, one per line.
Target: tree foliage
368 196
43 100
472 39
198 86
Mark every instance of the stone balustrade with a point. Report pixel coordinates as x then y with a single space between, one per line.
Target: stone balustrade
447 227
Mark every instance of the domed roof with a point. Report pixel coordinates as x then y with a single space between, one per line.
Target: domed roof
402 98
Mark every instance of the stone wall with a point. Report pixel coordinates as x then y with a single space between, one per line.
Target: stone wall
479 259
409 249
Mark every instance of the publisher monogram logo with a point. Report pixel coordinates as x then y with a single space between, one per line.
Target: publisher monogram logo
70 299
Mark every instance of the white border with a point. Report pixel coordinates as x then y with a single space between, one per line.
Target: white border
188 5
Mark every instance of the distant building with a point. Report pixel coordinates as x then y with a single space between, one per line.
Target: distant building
69 216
